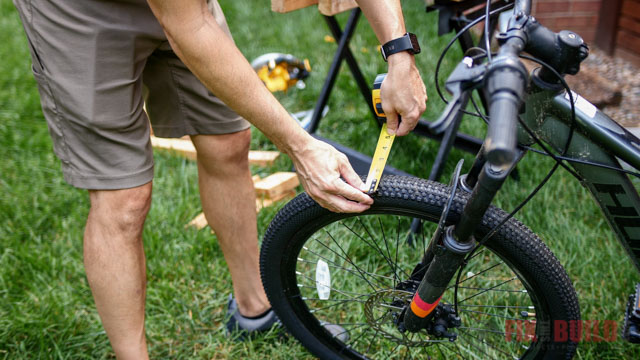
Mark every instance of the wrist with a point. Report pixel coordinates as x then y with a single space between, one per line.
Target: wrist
296 142
403 58
406 43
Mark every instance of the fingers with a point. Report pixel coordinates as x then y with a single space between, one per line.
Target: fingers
410 119
341 197
320 169
345 197
392 121
342 205
350 176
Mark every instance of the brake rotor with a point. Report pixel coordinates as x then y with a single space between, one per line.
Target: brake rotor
382 310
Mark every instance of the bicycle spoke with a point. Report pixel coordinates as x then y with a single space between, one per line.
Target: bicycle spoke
360 271
494 315
392 264
330 306
530 307
488 330
336 266
474 275
371 244
482 292
318 299
491 289
351 262
397 244
371 342
343 292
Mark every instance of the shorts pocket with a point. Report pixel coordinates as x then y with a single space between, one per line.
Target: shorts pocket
52 115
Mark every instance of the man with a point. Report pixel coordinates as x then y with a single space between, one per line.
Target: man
91 58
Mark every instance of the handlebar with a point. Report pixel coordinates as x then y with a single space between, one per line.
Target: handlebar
505 83
505 78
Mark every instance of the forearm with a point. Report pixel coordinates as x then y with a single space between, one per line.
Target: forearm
216 61
385 17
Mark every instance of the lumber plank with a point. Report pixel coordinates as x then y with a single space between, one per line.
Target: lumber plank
263 158
199 222
185 148
332 7
283 6
263 202
179 146
275 184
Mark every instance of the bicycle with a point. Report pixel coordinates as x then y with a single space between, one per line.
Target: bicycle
473 270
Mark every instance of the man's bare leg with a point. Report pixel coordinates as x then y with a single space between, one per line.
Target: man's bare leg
115 265
228 201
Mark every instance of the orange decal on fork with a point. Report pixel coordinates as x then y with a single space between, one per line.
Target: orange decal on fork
421 308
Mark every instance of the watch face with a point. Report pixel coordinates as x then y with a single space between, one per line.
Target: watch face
414 43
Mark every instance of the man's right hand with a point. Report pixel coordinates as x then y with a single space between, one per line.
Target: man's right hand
321 169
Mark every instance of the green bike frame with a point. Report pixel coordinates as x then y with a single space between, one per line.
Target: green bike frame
597 138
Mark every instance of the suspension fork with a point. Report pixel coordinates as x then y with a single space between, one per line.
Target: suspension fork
446 254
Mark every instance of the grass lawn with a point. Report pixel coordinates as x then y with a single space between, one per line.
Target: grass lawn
46 309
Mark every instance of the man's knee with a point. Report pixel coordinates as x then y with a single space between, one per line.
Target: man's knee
122 210
218 151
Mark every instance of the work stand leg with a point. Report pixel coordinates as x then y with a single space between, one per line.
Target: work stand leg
343 53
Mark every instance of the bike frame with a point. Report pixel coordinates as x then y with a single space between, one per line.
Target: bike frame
597 139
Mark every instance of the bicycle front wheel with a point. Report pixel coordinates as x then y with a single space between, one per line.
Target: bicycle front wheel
320 268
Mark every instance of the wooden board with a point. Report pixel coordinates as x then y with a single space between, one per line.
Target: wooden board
276 184
263 158
332 7
179 146
185 148
200 222
264 202
326 7
283 6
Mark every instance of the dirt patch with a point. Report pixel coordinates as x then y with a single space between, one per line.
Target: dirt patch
613 84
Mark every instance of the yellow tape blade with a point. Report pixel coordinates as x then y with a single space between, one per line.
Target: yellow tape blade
380 156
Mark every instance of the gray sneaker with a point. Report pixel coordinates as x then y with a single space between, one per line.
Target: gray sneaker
246 326
237 323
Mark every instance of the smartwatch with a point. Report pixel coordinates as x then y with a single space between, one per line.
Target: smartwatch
408 42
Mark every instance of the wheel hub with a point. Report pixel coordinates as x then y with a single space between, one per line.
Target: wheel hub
383 310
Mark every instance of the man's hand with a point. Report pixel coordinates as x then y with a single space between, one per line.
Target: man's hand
403 93
321 169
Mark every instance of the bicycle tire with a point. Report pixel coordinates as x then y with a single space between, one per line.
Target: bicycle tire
289 242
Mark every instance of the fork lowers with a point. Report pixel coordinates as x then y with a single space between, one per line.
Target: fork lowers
449 255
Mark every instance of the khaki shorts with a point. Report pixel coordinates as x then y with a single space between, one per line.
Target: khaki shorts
92 61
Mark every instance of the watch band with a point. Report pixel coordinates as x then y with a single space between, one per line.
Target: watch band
408 42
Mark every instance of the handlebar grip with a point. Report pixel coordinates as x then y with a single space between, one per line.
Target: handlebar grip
501 139
505 83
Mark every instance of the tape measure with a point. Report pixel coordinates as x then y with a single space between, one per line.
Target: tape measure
385 141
